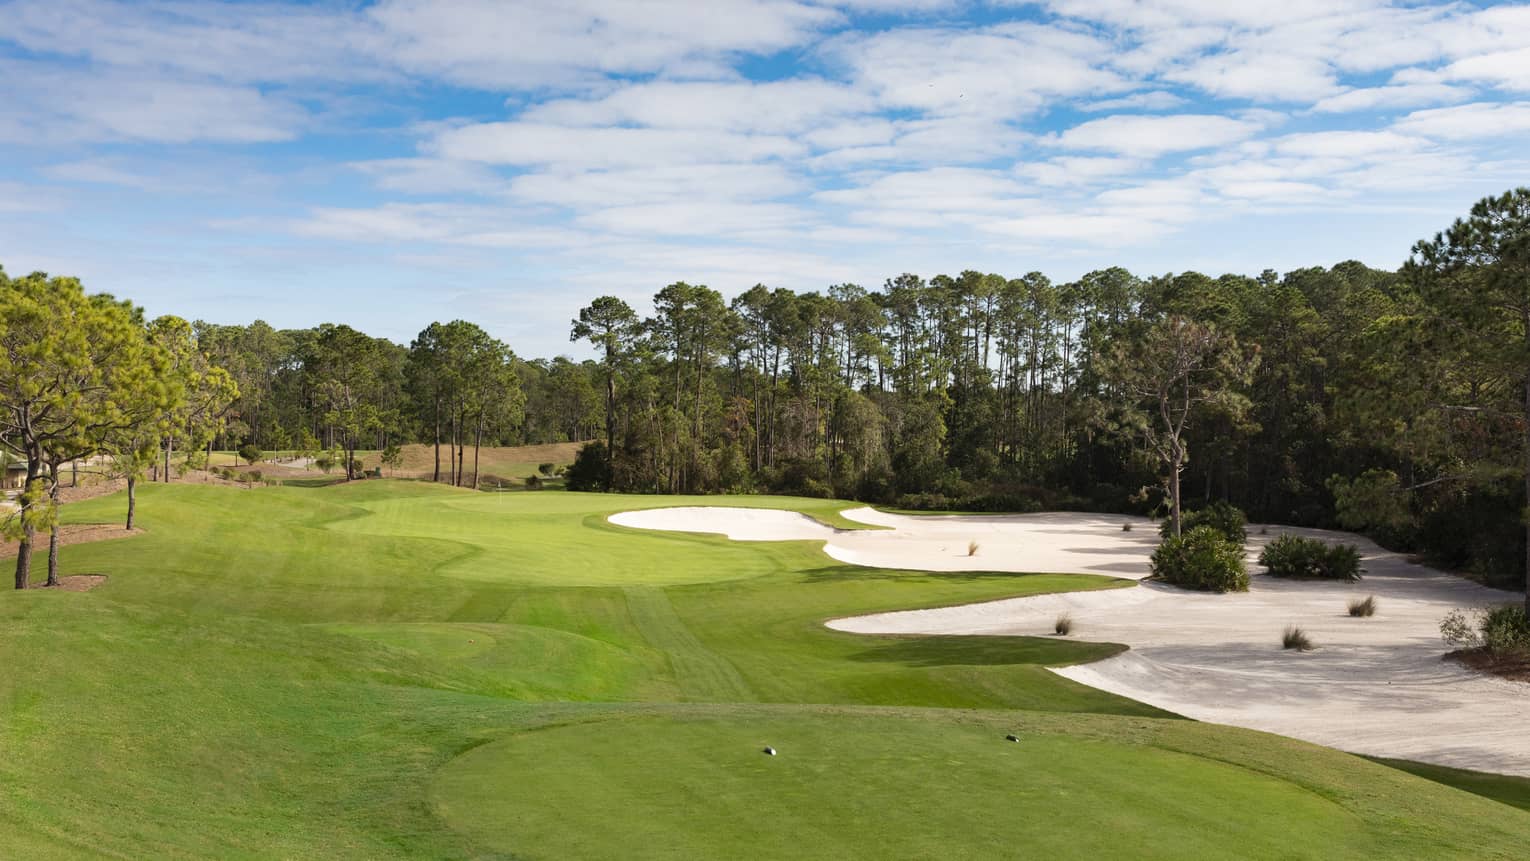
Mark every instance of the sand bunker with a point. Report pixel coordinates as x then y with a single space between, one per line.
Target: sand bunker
1375 686
1074 543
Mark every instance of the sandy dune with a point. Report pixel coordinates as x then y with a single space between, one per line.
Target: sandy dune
1374 686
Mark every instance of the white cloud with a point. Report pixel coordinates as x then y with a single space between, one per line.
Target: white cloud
539 43
49 104
1347 144
537 144
1003 72
1508 70
1463 122
1156 100
1149 136
776 107
1391 96
629 187
432 176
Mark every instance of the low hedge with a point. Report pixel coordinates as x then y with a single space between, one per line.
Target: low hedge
1225 518
1298 558
1203 559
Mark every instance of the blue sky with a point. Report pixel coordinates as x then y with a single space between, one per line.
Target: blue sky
392 163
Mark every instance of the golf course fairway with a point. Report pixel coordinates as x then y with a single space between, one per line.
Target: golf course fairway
402 670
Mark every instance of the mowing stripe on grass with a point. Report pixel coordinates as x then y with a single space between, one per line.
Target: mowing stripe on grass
701 674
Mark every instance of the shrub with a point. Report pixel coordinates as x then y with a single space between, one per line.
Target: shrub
325 463
1505 629
1295 638
972 548
1127 526
250 453
1064 625
1202 558
1501 630
1362 608
1310 559
589 472
546 468
253 476
1224 518
533 482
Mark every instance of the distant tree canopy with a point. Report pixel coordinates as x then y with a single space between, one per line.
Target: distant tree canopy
1393 401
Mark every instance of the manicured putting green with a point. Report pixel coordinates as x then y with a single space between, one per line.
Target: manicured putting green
861 784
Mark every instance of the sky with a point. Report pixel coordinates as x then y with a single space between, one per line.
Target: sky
387 164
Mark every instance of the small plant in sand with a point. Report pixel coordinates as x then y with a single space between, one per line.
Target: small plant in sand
1295 638
1127 526
1362 607
1064 625
972 548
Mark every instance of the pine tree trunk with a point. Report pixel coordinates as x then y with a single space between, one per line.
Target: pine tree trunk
53 530
436 476
477 442
132 493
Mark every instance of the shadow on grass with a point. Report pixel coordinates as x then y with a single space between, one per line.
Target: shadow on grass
326 481
1504 788
979 651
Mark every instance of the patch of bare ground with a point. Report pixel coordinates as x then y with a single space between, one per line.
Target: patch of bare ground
73 583
73 533
1515 667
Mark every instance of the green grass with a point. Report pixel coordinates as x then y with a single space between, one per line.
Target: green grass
1508 789
402 670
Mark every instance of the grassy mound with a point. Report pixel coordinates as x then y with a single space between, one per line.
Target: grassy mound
694 783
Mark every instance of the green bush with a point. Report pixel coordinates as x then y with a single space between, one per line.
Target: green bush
1505 629
250 453
1225 518
1310 559
533 482
1501 630
589 471
1202 558
547 468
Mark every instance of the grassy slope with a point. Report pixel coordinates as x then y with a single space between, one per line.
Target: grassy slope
296 673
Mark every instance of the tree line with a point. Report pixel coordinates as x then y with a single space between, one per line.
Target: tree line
1396 402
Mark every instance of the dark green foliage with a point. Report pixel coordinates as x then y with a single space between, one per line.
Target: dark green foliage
533 482
250 453
590 470
1201 559
1506 630
1224 517
1301 558
547 468
1503 630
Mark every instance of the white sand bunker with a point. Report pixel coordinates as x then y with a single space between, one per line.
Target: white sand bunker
1374 685
1072 543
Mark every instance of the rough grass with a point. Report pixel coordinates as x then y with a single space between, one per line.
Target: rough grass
1063 626
1362 607
1295 638
357 671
